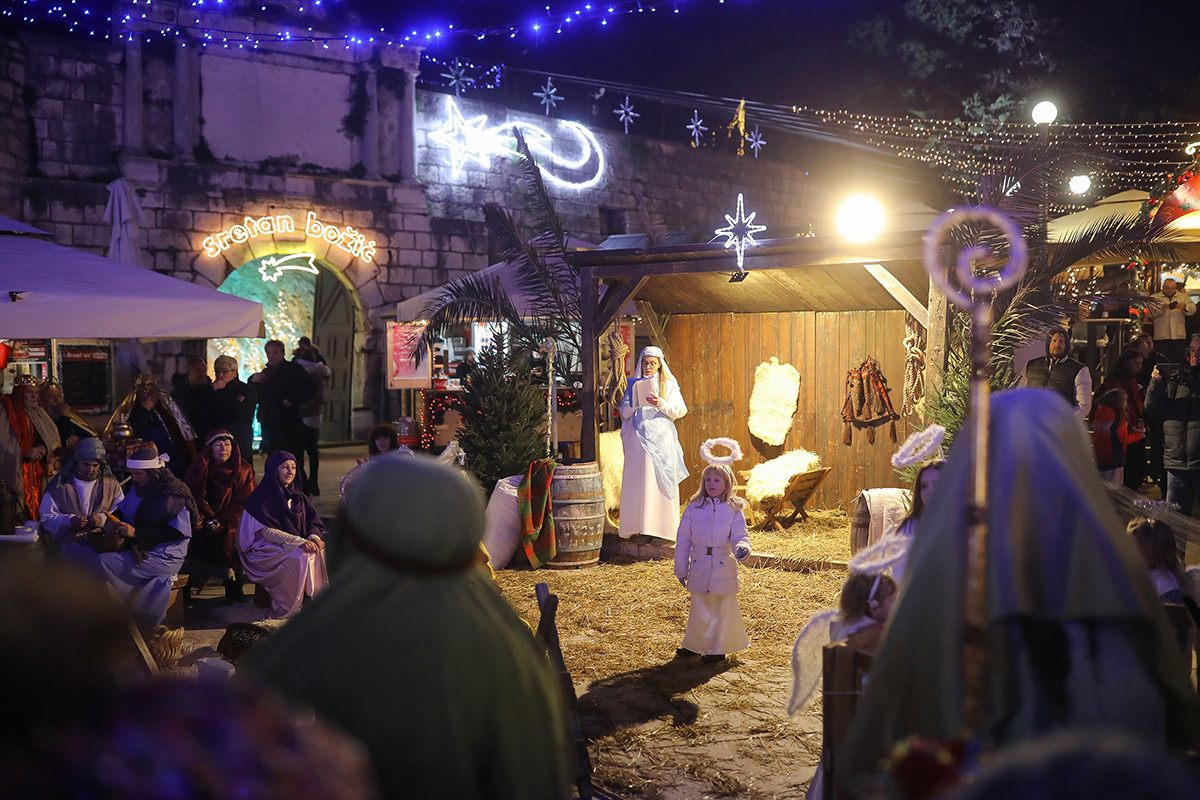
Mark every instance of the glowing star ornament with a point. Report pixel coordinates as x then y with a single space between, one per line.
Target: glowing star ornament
456 78
740 232
626 114
272 267
471 140
756 141
549 95
696 128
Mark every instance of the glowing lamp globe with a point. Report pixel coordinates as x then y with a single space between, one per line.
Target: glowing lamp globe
1044 113
1080 184
860 218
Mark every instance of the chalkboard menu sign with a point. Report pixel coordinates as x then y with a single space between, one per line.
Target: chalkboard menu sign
85 372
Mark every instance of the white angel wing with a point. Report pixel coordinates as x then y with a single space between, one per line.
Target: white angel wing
807 658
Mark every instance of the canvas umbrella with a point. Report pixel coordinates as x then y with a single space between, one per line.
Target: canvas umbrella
125 214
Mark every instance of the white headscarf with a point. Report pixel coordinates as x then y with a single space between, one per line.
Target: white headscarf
667 383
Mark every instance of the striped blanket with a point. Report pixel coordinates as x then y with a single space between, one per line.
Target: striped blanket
533 505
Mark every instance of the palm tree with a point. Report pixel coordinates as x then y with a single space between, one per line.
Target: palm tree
549 283
1040 301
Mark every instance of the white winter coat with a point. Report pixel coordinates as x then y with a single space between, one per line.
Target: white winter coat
704 547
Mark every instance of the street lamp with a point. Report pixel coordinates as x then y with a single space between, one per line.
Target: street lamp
860 218
1080 184
1044 113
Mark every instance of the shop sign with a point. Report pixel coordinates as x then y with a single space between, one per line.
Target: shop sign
30 350
402 339
346 238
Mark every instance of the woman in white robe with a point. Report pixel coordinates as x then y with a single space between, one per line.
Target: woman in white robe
281 538
654 464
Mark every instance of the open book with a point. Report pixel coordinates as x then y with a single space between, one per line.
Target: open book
642 389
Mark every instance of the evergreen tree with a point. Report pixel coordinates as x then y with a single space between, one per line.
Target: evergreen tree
503 416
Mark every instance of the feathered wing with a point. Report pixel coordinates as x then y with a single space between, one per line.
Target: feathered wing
808 658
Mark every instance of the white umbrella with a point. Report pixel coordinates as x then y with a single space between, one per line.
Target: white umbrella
48 291
125 214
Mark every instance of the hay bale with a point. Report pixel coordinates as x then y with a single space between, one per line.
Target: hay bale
769 480
611 455
773 401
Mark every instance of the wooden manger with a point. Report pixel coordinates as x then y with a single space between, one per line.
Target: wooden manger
799 491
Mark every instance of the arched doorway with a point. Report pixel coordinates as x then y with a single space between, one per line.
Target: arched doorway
301 295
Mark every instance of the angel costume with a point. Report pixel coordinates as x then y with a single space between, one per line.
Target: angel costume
710 534
654 464
1076 636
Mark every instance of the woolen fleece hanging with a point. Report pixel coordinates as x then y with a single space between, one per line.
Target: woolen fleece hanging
867 402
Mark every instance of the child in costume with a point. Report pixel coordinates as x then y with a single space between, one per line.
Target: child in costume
711 535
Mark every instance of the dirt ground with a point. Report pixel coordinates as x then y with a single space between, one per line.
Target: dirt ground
663 727
657 726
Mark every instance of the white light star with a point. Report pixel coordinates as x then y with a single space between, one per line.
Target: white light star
626 114
466 139
456 78
756 141
549 95
696 128
741 230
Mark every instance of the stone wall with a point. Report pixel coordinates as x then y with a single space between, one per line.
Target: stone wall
14 127
427 232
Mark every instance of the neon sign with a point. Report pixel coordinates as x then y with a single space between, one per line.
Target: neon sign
272 267
471 140
347 238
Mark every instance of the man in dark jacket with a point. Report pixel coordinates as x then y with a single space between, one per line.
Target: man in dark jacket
233 406
283 387
1176 399
1061 373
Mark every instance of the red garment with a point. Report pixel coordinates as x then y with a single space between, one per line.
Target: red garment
1136 407
1109 438
34 472
220 493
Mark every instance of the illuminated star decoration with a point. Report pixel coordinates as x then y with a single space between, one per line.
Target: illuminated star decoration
466 139
756 141
626 114
696 128
741 230
549 95
456 78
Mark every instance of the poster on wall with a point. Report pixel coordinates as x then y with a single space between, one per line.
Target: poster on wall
85 372
402 338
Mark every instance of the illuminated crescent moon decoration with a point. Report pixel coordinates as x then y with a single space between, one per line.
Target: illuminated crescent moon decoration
472 140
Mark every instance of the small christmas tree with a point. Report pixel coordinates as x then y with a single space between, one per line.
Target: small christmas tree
503 416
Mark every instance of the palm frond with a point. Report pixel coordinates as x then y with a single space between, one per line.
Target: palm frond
472 298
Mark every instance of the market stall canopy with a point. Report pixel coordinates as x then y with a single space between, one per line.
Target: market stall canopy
1183 232
51 291
12 226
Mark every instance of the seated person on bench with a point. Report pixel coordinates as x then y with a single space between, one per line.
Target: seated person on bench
157 520
79 498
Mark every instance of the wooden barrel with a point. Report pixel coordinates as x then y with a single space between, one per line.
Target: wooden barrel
577 501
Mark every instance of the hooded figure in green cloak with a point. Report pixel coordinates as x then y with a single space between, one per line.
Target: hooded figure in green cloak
1076 637
413 650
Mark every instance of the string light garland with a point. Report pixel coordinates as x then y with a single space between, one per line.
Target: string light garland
435 402
437 73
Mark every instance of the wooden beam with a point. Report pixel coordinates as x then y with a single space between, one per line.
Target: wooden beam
588 334
901 293
658 329
614 300
937 340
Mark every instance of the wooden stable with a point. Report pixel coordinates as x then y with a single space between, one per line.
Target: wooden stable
820 304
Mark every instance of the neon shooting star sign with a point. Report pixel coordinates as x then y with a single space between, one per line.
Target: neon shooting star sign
472 140
272 267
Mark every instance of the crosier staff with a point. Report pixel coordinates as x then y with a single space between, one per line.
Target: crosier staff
974 293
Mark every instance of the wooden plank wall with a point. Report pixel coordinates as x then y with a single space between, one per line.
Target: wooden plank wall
714 357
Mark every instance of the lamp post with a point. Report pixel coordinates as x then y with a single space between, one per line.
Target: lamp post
1044 113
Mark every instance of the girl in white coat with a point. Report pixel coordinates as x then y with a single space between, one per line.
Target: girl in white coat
711 535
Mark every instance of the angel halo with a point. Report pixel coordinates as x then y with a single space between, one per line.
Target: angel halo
919 446
735 451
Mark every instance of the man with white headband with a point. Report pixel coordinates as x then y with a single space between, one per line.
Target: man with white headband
653 458
157 517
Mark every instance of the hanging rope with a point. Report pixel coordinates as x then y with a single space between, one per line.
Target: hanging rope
614 384
914 368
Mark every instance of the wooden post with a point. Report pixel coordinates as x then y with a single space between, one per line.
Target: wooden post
587 354
937 340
